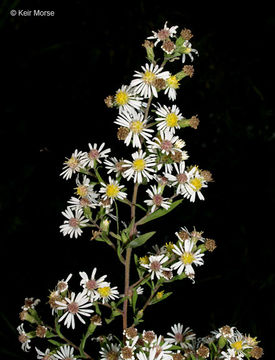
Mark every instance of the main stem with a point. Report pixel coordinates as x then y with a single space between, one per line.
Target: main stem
128 257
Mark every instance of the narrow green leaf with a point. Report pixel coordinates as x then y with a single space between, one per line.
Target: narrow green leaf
165 296
56 343
134 300
140 240
159 213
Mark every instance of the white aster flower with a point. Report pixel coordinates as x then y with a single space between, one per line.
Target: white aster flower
62 285
180 337
72 165
151 355
156 199
75 221
85 190
23 338
137 127
30 303
94 155
144 84
196 182
140 290
181 179
169 118
166 143
65 352
188 50
162 347
114 165
155 266
75 305
238 343
164 33
187 257
112 191
44 355
224 331
106 293
126 100
128 351
231 354
141 167
91 284
109 351
80 203
172 84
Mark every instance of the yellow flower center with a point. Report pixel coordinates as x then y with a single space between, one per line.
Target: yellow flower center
160 294
148 77
237 345
139 164
82 190
144 260
72 162
187 50
122 97
136 126
104 291
196 182
187 258
173 82
112 190
171 120
169 246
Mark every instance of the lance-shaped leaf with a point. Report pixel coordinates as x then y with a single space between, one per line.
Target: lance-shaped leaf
158 213
140 240
164 296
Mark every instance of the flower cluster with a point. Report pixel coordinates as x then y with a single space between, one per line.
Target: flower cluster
180 256
154 165
158 160
180 344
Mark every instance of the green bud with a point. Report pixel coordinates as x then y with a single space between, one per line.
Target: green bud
149 46
179 41
222 342
104 225
184 123
140 314
124 237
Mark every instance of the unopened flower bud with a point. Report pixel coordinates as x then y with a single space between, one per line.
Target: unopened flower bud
149 46
186 34
109 101
25 316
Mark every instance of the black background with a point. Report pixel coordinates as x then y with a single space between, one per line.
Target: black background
56 73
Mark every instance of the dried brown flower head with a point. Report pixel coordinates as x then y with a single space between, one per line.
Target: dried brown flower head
186 34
